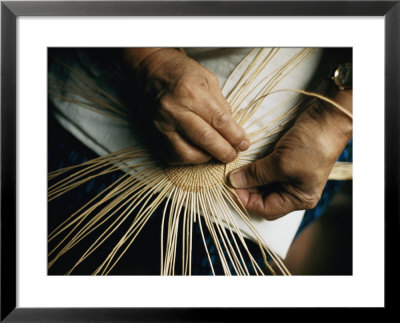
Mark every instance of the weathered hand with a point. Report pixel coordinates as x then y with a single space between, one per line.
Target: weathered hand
293 176
190 112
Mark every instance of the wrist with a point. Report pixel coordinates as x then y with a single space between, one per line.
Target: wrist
330 127
145 67
329 118
134 57
341 122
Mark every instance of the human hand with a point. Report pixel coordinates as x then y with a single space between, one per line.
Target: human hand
189 110
293 176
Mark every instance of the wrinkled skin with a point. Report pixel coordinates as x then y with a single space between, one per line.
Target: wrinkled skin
293 176
193 122
190 114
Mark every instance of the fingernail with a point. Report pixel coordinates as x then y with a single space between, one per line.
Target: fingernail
244 145
237 179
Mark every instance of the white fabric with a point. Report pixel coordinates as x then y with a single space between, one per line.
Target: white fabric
104 135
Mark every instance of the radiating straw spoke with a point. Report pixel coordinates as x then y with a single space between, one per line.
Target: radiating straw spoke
192 195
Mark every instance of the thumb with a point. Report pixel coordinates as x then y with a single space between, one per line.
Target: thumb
259 173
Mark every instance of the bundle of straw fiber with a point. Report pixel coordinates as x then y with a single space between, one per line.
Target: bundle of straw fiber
266 91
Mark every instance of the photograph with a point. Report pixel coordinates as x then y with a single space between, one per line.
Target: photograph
200 161
154 151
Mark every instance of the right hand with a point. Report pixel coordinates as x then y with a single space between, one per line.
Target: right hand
190 112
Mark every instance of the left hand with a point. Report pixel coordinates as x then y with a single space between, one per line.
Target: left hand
293 176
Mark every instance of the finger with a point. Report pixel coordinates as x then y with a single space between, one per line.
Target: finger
232 131
272 206
179 151
201 134
216 111
259 173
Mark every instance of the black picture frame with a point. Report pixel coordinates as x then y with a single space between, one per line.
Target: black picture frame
10 10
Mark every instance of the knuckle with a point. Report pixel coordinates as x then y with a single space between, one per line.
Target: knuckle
220 120
202 159
193 157
214 81
237 138
166 104
226 106
228 155
160 126
185 88
206 137
164 101
187 157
